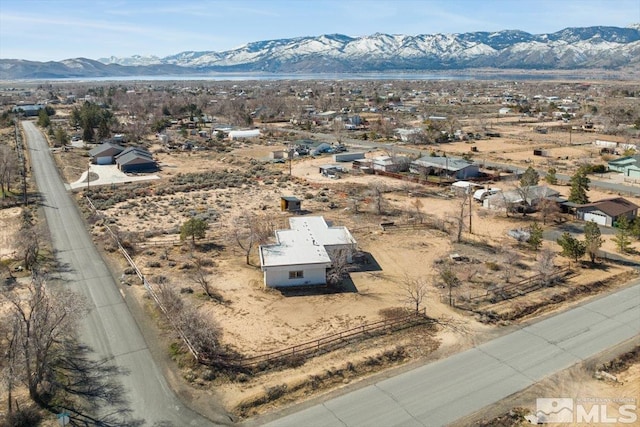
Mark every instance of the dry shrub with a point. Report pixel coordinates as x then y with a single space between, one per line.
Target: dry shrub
393 312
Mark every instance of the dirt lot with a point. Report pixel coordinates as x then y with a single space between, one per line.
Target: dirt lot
255 320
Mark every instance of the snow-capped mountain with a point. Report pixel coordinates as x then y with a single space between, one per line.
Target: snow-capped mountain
571 48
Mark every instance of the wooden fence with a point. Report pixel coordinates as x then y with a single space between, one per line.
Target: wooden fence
149 288
326 343
306 349
523 287
386 226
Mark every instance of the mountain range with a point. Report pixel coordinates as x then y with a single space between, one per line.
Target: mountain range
598 47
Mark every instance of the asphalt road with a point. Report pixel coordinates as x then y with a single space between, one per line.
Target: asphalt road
109 329
444 391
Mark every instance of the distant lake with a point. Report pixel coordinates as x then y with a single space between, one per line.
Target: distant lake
463 75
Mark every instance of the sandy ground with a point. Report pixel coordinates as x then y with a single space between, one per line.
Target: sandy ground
10 220
256 320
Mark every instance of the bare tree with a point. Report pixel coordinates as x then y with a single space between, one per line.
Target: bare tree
463 212
40 324
250 230
449 278
201 276
8 168
339 266
377 190
355 204
11 372
548 210
509 260
545 265
200 334
29 240
415 290
417 209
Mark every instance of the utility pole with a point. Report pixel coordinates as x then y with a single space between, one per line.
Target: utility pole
470 206
290 155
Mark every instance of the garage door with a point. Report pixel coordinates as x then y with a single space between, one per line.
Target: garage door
598 219
105 160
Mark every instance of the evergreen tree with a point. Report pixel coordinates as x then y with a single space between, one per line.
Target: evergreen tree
579 187
551 177
592 239
529 178
623 233
535 236
571 247
61 136
195 228
43 119
635 227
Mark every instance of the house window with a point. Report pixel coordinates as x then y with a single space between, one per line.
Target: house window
296 274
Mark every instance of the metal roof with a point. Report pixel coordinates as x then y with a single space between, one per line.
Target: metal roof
304 243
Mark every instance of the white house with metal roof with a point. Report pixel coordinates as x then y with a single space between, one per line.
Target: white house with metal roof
304 252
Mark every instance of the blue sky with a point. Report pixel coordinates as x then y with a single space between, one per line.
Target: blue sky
43 30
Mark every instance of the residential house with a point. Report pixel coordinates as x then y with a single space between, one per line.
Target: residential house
136 159
452 167
304 253
529 196
105 154
607 211
406 135
628 165
390 164
28 110
244 134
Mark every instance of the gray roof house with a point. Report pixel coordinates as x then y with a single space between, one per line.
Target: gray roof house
453 167
136 159
304 252
529 196
104 154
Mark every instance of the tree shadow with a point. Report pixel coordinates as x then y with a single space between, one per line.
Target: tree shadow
364 261
89 390
594 265
207 247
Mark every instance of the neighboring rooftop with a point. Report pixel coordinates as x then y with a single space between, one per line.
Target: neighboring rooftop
613 207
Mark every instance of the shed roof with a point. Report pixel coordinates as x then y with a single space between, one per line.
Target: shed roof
447 163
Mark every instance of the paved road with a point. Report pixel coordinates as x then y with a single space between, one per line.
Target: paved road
109 328
443 391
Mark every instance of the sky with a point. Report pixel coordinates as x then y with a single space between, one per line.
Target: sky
52 30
